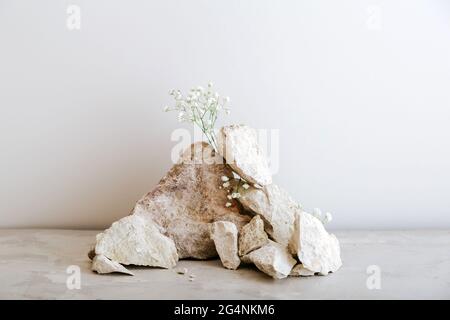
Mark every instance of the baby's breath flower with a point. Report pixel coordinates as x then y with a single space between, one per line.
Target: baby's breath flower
235 195
245 186
228 204
229 197
225 178
317 213
226 184
201 107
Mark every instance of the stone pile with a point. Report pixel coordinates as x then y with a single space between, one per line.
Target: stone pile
221 204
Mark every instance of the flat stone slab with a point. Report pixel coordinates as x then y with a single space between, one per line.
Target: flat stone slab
413 265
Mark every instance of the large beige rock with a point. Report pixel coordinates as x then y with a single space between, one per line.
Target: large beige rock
102 265
225 237
137 241
272 259
252 236
276 208
238 144
317 250
188 199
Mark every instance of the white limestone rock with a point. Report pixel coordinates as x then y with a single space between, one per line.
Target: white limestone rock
252 236
300 271
102 265
276 208
238 144
317 250
225 237
137 241
188 199
272 259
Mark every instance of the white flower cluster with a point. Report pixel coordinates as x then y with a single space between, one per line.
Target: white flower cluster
201 107
323 218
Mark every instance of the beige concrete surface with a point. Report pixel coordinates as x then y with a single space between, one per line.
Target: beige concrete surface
413 265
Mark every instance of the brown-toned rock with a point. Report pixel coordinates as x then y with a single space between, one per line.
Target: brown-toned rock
252 236
188 199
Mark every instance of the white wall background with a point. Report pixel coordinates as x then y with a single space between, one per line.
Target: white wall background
363 112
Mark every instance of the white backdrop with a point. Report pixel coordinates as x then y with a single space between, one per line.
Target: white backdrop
358 89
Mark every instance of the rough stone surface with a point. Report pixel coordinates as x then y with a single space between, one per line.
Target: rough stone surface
317 250
225 237
188 199
272 259
137 241
300 271
102 265
252 236
276 208
238 144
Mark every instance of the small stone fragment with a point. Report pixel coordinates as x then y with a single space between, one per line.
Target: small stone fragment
181 270
272 259
317 250
252 236
102 265
187 200
225 237
138 241
238 144
300 271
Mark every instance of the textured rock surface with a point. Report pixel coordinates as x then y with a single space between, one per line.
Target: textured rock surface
252 236
300 271
272 259
317 250
277 209
188 199
102 264
137 241
225 237
238 144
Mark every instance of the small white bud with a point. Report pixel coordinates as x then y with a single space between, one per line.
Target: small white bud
225 178
328 217
245 186
317 213
228 204
235 195
229 197
226 185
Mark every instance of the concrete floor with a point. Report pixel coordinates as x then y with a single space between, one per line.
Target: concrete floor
413 265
